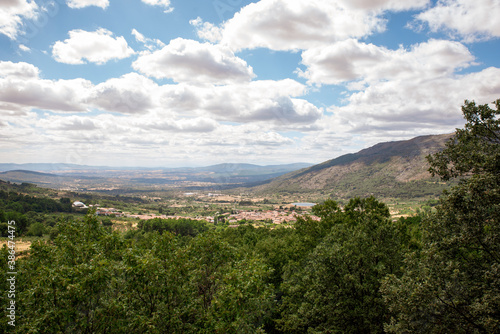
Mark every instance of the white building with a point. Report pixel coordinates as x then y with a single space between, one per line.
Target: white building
80 205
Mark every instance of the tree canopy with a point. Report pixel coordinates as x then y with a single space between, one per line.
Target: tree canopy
453 285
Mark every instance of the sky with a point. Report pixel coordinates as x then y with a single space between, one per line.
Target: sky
172 83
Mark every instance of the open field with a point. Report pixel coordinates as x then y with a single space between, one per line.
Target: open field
21 246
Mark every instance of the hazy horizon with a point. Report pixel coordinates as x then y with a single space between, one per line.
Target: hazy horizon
153 167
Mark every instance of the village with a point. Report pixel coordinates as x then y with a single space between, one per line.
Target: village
286 214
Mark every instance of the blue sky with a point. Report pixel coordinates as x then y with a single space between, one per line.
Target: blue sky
189 83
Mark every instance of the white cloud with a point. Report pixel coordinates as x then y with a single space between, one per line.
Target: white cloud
97 47
207 30
394 5
138 140
470 19
417 106
24 48
351 60
19 70
277 104
288 25
69 123
86 3
20 87
196 125
162 3
149 43
61 95
274 103
266 101
399 93
293 24
190 61
12 14
130 94
138 36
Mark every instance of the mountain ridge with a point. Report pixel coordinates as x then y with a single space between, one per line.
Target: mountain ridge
55 167
391 169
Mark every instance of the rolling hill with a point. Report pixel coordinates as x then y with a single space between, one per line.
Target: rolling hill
78 177
393 169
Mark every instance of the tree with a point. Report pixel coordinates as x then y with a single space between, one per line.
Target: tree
153 279
70 285
89 280
335 288
453 285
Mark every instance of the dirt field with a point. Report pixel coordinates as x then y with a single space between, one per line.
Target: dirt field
21 246
123 226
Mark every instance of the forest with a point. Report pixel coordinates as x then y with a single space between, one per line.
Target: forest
355 270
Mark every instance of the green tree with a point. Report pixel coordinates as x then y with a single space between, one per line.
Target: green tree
220 289
153 279
69 286
335 289
453 285
36 229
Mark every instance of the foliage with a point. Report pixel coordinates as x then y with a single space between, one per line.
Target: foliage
28 210
10 201
181 226
335 287
89 280
453 285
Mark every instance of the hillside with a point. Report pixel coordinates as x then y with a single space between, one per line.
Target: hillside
21 176
393 169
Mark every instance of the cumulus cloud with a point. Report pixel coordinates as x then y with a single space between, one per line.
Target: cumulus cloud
470 19
190 61
161 3
12 14
19 70
268 101
206 30
415 106
86 3
60 95
130 94
20 85
352 60
96 47
296 24
398 93
143 119
276 103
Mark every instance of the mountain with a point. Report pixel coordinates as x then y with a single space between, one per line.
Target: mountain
243 173
42 167
80 177
248 169
396 169
46 179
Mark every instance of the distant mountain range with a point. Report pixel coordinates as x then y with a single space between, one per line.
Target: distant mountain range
224 167
80 177
396 169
